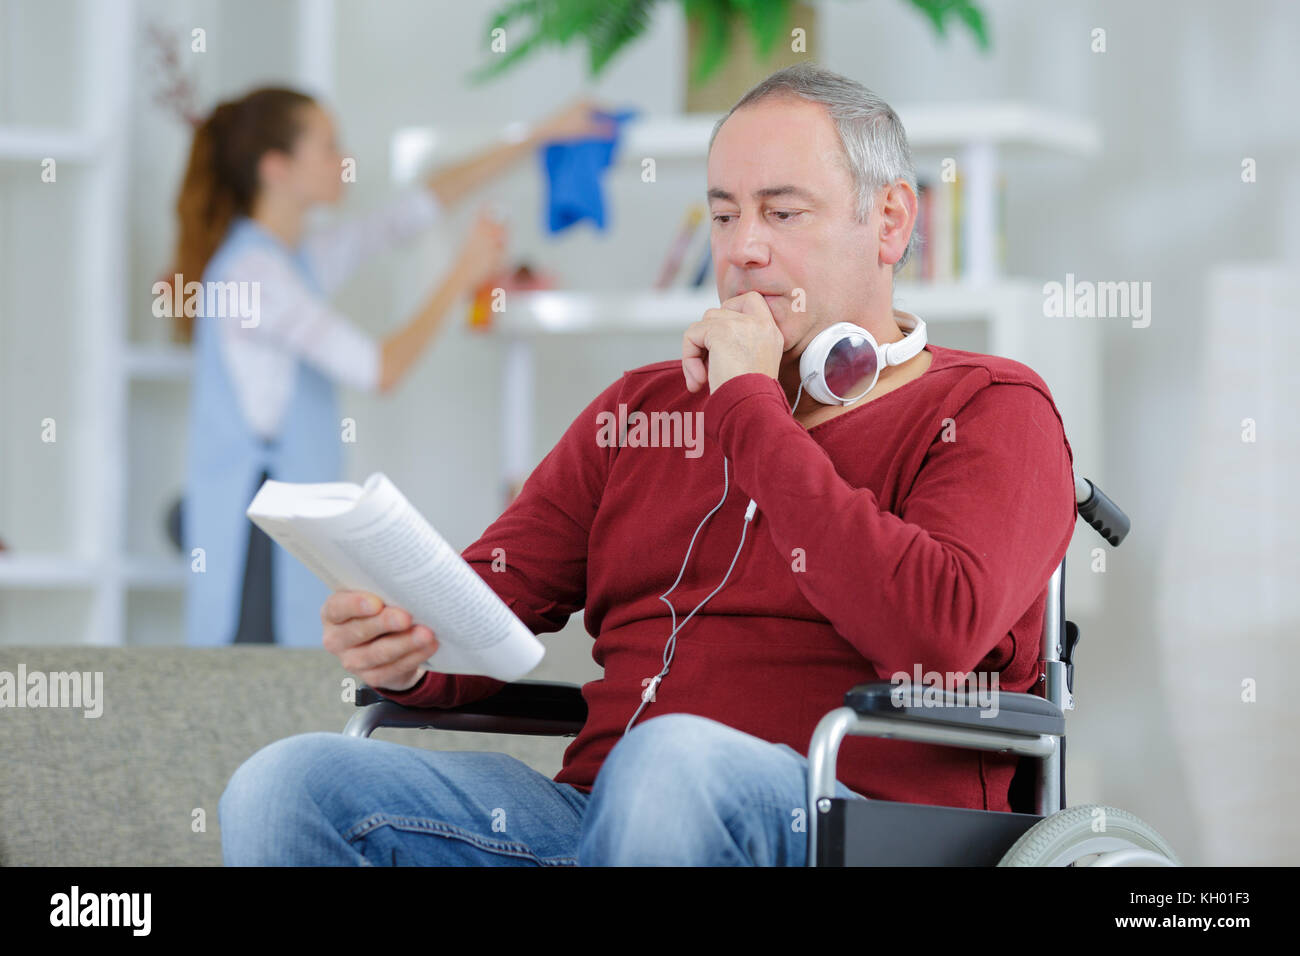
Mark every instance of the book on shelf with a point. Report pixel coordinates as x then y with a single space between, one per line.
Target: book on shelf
669 272
688 263
940 220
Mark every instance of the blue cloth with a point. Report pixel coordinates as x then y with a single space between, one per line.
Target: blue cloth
574 169
224 462
676 790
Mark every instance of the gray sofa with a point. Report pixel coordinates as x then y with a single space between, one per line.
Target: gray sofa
123 788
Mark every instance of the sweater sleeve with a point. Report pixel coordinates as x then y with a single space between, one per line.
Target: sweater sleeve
534 556
293 318
984 523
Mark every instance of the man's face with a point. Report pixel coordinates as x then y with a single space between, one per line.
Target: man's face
782 211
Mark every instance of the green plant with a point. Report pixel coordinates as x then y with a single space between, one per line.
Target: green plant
609 25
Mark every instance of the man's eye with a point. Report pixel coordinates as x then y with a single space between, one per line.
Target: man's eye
786 215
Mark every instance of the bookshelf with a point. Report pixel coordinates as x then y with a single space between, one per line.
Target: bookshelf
76 571
61 518
979 309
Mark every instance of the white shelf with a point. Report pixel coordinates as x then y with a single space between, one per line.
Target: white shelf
23 571
570 312
34 143
686 137
565 312
1004 123
159 363
62 572
155 573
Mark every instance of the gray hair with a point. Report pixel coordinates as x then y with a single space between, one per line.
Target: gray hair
873 141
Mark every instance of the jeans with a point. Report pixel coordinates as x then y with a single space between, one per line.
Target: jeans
676 790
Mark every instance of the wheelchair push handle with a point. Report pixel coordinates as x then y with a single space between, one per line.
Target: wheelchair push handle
1106 517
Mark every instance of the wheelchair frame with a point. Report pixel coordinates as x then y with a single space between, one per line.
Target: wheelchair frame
1026 724
856 832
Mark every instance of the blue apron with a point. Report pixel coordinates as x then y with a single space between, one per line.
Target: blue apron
224 462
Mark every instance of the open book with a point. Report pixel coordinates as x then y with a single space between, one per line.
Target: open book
372 539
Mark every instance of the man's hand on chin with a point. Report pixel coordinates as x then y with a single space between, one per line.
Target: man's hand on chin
739 337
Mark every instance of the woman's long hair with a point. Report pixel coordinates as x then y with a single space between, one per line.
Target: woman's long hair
221 177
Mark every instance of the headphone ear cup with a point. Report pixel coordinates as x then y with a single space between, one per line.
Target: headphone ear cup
816 389
813 361
812 365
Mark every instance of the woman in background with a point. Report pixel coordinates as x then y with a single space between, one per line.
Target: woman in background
263 401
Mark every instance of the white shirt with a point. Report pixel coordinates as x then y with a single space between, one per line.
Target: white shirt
294 322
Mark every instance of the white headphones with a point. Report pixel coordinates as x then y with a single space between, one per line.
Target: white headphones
844 354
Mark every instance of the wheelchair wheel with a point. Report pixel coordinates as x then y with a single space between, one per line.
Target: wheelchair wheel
1091 835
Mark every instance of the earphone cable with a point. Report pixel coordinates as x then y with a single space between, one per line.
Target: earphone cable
670 647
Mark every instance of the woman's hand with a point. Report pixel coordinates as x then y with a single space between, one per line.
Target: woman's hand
483 254
575 121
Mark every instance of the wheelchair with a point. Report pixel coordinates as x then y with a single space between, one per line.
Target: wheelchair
1039 830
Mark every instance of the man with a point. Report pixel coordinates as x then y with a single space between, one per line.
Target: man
916 526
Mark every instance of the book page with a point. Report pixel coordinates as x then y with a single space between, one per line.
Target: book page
384 545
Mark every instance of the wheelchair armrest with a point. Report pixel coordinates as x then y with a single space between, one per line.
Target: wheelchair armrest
521 707
1023 714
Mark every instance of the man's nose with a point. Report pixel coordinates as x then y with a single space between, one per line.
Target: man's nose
748 243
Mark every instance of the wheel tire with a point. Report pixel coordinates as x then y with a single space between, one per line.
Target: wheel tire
1067 836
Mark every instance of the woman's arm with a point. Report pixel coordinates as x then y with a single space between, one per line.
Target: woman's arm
289 319
481 257
452 183
400 350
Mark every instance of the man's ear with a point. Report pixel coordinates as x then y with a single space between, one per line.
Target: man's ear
898 208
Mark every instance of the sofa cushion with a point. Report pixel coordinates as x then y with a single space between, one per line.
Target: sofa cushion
123 788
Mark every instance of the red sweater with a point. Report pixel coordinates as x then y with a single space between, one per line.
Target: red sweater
914 550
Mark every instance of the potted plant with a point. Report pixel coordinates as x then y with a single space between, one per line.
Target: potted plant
731 44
